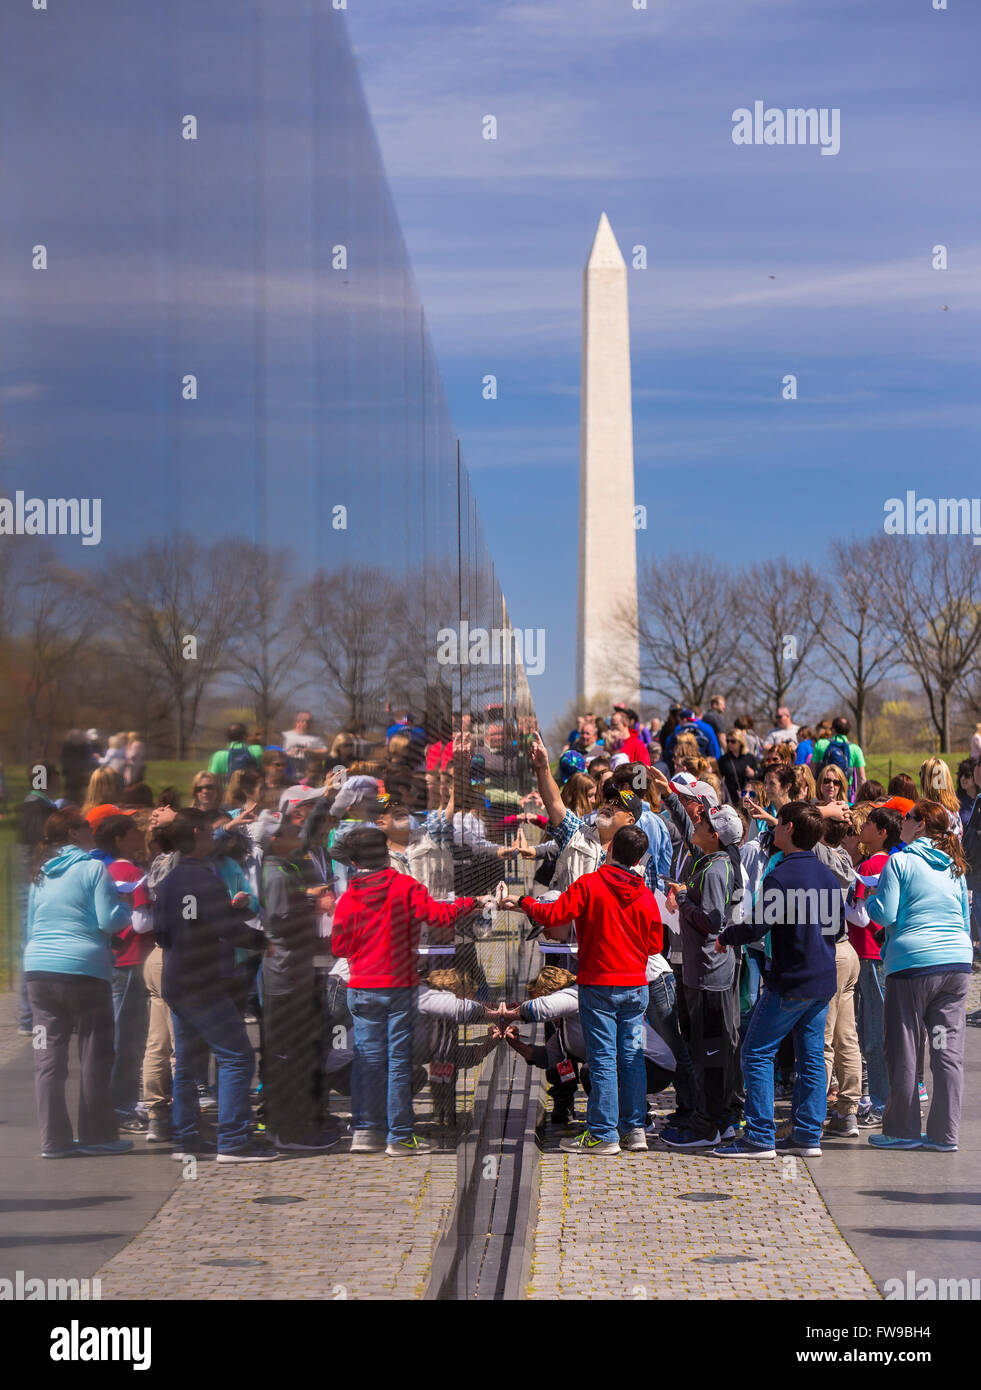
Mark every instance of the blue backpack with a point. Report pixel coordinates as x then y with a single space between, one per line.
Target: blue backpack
837 754
240 758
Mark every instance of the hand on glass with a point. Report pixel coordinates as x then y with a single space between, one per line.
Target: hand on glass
537 752
659 780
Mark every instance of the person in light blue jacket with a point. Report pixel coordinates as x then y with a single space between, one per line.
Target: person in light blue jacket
920 903
73 909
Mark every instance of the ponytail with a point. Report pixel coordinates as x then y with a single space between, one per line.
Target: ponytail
936 820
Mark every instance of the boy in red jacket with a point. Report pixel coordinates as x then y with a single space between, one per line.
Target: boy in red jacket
618 926
377 926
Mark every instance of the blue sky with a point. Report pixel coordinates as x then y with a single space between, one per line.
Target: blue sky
601 107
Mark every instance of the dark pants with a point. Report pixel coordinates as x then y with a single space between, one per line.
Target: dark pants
131 1012
62 1005
934 1006
713 1017
292 1026
662 1015
214 1024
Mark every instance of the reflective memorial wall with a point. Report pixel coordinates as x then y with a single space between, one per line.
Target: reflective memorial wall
231 492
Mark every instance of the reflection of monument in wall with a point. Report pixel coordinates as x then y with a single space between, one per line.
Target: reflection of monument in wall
606 658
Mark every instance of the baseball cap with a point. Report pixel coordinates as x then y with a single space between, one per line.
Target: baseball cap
898 803
684 784
292 796
98 814
726 824
570 763
623 797
264 827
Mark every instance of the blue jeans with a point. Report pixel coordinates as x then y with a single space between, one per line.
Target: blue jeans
131 1017
753 962
612 1019
774 1017
662 1015
871 1003
381 1076
198 1026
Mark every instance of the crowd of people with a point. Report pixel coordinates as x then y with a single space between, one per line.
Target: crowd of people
743 918
335 904
786 927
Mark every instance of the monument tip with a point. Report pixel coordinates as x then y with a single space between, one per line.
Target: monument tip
604 253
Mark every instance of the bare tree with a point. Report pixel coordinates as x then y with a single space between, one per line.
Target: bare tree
264 656
781 611
59 622
354 623
858 642
932 597
177 608
684 627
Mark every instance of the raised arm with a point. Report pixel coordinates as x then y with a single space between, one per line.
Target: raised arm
547 787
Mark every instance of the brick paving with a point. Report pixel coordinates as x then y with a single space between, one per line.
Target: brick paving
367 1228
620 1228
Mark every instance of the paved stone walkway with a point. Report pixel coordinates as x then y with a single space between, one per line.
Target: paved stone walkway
623 1228
366 1228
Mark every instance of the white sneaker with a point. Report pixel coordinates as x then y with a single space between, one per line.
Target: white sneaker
634 1141
584 1143
408 1148
367 1141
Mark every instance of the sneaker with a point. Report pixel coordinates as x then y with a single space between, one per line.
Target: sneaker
132 1124
790 1145
926 1143
367 1141
69 1151
585 1144
248 1153
158 1132
924 1097
688 1139
842 1126
634 1141
886 1141
742 1148
871 1118
201 1150
25 1032
561 1115
114 1146
313 1143
408 1148
733 1130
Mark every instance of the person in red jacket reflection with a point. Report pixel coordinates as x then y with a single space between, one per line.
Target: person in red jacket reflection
377 926
618 926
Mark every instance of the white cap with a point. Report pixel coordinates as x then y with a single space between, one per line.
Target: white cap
292 796
684 784
726 824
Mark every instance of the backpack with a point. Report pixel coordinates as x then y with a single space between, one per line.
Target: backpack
239 758
837 754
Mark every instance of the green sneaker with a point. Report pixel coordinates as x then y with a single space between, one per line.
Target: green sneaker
408 1148
585 1143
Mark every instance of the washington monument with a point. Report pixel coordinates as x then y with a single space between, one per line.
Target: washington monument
606 657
